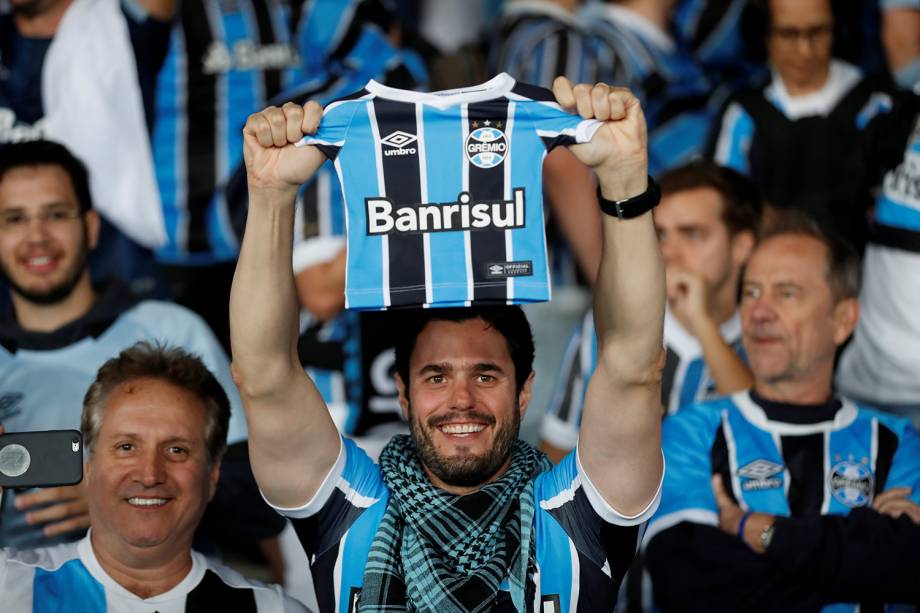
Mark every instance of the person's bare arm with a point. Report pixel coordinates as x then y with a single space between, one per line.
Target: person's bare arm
570 188
293 442
901 36
620 439
321 287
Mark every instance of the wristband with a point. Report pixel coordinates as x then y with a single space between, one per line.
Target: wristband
631 207
741 524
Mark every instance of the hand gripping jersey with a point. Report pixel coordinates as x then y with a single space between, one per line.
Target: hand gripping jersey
443 195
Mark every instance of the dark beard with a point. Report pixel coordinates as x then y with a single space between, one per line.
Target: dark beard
60 291
471 470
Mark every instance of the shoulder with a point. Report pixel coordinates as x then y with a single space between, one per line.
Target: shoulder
703 416
45 558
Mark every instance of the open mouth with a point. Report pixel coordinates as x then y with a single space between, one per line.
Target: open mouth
462 430
147 503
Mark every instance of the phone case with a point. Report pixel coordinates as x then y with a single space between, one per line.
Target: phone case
45 458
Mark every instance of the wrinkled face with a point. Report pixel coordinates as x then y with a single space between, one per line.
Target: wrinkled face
693 236
789 322
800 40
148 477
463 408
44 239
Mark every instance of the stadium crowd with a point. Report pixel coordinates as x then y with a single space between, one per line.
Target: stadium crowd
625 316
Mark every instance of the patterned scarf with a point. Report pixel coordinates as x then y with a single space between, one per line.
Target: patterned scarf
437 552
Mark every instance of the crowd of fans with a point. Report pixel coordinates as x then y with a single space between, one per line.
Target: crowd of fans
784 134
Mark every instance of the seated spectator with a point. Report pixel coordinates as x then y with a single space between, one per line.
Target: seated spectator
798 136
61 328
154 425
766 490
881 365
706 224
634 46
83 73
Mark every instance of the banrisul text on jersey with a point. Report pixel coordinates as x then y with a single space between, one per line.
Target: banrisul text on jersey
443 194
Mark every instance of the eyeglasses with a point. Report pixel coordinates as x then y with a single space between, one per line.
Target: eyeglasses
18 221
790 36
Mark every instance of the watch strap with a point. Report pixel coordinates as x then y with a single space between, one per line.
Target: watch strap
631 207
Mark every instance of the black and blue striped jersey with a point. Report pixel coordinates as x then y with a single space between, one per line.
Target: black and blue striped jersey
452 213
583 546
70 578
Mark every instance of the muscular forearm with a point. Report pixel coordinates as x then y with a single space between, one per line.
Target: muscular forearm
728 370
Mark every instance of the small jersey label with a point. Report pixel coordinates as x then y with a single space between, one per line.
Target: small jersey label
503 270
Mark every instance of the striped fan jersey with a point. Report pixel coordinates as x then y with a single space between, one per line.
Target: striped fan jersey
583 546
785 460
443 192
69 578
686 378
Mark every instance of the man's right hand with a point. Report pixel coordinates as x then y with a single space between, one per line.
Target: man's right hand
272 161
895 502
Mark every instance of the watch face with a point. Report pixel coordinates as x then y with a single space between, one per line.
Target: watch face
766 537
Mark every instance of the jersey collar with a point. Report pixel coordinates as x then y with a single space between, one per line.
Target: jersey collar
499 86
769 417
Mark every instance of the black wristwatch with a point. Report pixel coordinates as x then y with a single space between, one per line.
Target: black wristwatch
631 207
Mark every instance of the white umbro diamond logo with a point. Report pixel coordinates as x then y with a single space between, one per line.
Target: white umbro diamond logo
760 469
398 139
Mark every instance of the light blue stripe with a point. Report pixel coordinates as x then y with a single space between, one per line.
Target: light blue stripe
165 138
892 213
554 558
689 391
741 134
70 588
444 159
752 444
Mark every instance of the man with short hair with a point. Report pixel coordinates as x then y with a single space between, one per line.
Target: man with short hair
707 223
788 497
154 426
61 328
460 515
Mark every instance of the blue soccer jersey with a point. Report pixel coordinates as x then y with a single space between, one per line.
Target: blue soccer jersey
583 546
443 193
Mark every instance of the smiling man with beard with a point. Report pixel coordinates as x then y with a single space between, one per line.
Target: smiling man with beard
461 515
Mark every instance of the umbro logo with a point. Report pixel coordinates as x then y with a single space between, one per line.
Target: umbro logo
760 475
398 143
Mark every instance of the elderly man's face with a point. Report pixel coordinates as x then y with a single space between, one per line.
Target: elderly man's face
148 475
799 42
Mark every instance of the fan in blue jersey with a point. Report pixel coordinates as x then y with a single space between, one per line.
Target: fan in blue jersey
634 47
798 137
815 496
461 515
61 328
443 191
882 362
154 425
706 223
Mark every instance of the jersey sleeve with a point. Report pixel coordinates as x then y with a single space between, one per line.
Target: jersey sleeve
687 438
333 128
562 421
553 125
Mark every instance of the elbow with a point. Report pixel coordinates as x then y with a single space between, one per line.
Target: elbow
633 369
259 378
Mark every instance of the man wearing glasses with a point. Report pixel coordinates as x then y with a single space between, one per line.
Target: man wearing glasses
798 136
62 328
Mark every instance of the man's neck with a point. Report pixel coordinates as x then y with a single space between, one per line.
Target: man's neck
656 11
796 90
50 317
45 23
142 572
795 392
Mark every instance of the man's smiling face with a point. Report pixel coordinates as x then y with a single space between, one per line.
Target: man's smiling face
462 403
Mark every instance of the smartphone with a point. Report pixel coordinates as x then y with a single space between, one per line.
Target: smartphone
45 458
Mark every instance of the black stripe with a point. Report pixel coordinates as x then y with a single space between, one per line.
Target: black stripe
572 372
201 143
718 457
896 238
488 246
671 362
562 52
212 594
804 459
402 184
272 76
887 446
709 20
534 92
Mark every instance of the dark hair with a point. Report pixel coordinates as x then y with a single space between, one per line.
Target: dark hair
509 321
172 365
757 16
46 153
844 268
741 203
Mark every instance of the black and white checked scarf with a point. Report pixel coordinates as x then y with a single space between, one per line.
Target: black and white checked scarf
437 552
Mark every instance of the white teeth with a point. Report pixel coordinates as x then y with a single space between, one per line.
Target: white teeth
462 428
146 502
39 261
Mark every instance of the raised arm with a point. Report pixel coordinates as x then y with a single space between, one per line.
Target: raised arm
293 442
620 439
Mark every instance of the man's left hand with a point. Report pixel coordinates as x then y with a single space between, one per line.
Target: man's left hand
68 510
730 515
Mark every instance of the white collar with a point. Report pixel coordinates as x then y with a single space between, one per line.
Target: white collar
630 20
498 86
89 560
758 417
541 8
841 78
